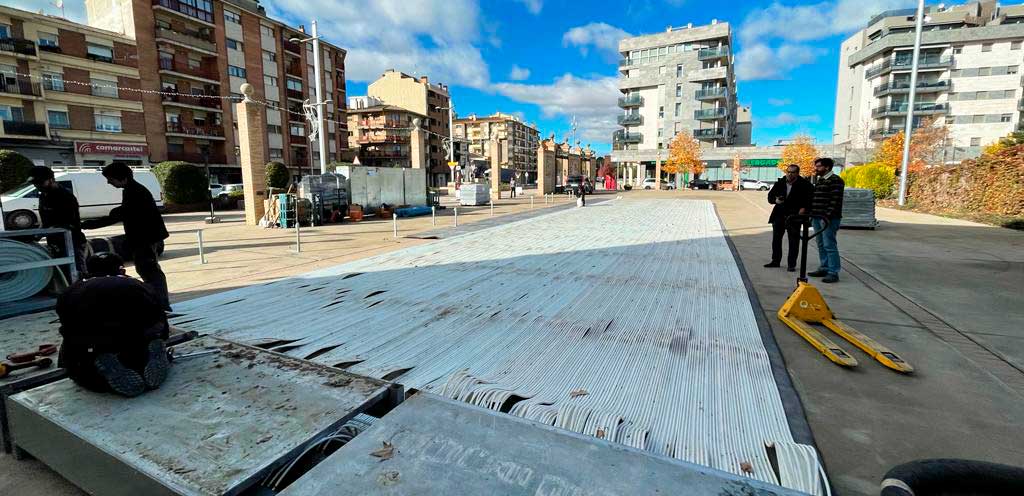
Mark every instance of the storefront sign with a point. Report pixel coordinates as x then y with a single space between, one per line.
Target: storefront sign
105 148
761 162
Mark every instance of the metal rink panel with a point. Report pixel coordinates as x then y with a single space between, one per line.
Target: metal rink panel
19 335
444 447
626 321
216 426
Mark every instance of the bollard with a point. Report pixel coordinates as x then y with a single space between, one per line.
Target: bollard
433 216
492 208
202 255
456 216
298 238
394 218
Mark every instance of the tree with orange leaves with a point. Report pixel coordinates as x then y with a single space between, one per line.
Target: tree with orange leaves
801 152
925 147
684 155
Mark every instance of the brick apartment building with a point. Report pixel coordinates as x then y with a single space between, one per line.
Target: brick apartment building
60 102
518 139
380 135
205 50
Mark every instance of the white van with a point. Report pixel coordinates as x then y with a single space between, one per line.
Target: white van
95 197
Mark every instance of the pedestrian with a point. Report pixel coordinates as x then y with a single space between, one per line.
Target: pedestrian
58 208
790 195
581 195
143 227
512 186
828 203
114 330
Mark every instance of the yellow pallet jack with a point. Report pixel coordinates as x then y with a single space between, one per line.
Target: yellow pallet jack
806 306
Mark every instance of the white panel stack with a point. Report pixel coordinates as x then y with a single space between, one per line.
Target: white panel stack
859 208
475 194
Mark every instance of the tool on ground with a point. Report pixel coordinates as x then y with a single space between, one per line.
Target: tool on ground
806 306
174 358
44 350
7 368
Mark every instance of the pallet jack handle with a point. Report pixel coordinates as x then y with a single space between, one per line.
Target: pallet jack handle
805 237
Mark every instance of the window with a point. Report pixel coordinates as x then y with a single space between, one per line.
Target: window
1014 45
986 47
236 96
194 62
975 141
992 118
9 113
679 90
269 80
273 129
276 153
950 119
266 30
100 53
297 129
957 50
48 40
679 108
102 87
53 81
58 119
984 71
1006 118
108 122
269 56
999 71
661 112
968 95
1011 69
236 71
978 119
232 17
233 44
679 71
294 84
163 24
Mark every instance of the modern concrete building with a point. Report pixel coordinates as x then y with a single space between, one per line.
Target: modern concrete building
680 80
420 96
194 56
68 93
380 135
968 77
518 138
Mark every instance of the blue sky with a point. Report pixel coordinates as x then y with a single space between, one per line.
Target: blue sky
547 60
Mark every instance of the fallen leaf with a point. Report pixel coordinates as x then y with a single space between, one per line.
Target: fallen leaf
600 433
746 467
577 393
385 452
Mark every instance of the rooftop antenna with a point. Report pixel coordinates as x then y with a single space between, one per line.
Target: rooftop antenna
60 5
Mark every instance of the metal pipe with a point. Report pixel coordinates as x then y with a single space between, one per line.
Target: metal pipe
492 208
202 254
909 127
456 216
298 236
321 138
394 221
69 251
433 216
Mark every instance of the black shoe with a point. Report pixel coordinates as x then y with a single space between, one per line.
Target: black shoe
156 368
770 265
790 269
831 278
818 273
122 380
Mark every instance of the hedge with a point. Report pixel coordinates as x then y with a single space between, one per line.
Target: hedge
277 175
875 176
14 169
993 183
182 182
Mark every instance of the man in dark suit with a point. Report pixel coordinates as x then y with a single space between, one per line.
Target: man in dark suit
790 195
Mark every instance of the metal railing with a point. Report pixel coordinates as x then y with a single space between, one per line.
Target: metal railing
197 158
19 46
624 137
290 46
630 120
190 38
185 9
901 108
183 68
626 61
631 101
24 128
712 53
925 62
16 87
210 101
715 132
207 131
711 93
711 113
904 87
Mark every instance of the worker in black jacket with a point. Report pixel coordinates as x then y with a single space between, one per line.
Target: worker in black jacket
790 195
143 227
827 202
58 208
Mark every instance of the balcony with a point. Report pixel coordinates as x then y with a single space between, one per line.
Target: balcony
197 157
624 137
383 154
898 87
631 120
296 94
184 9
709 74
383 139
298 140
712 93
290 46
18 46
627 62
885 132
211 102
901 109
23 128
176 65
23 88
294 68
710 114
191 39
193 131
929 62
381 124
712 53
1020 104
709 133
631 101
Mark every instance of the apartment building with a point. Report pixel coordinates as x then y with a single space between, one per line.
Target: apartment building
420 96
968 75
518 139
380 135
66 92
194 55
680 80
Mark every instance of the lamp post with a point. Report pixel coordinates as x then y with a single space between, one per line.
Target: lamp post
320 102
909 128
451 135
212 219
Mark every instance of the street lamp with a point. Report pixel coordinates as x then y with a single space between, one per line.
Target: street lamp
909 126
451 136
321 142
212 219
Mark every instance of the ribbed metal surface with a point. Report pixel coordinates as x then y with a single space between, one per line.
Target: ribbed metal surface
626 320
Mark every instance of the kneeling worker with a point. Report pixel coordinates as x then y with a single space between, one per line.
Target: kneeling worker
114 328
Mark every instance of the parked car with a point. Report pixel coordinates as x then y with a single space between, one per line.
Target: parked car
701 184
755 184
574 183
96 198
216 190
649 184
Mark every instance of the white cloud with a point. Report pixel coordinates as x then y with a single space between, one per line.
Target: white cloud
812 22
760 61
592 101
779 102
533 6
603 37
518 73
432 37
788 119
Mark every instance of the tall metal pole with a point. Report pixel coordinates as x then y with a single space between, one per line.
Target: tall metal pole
322 139
451 136
908 130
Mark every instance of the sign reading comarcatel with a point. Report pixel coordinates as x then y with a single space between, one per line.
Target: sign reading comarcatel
107 148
